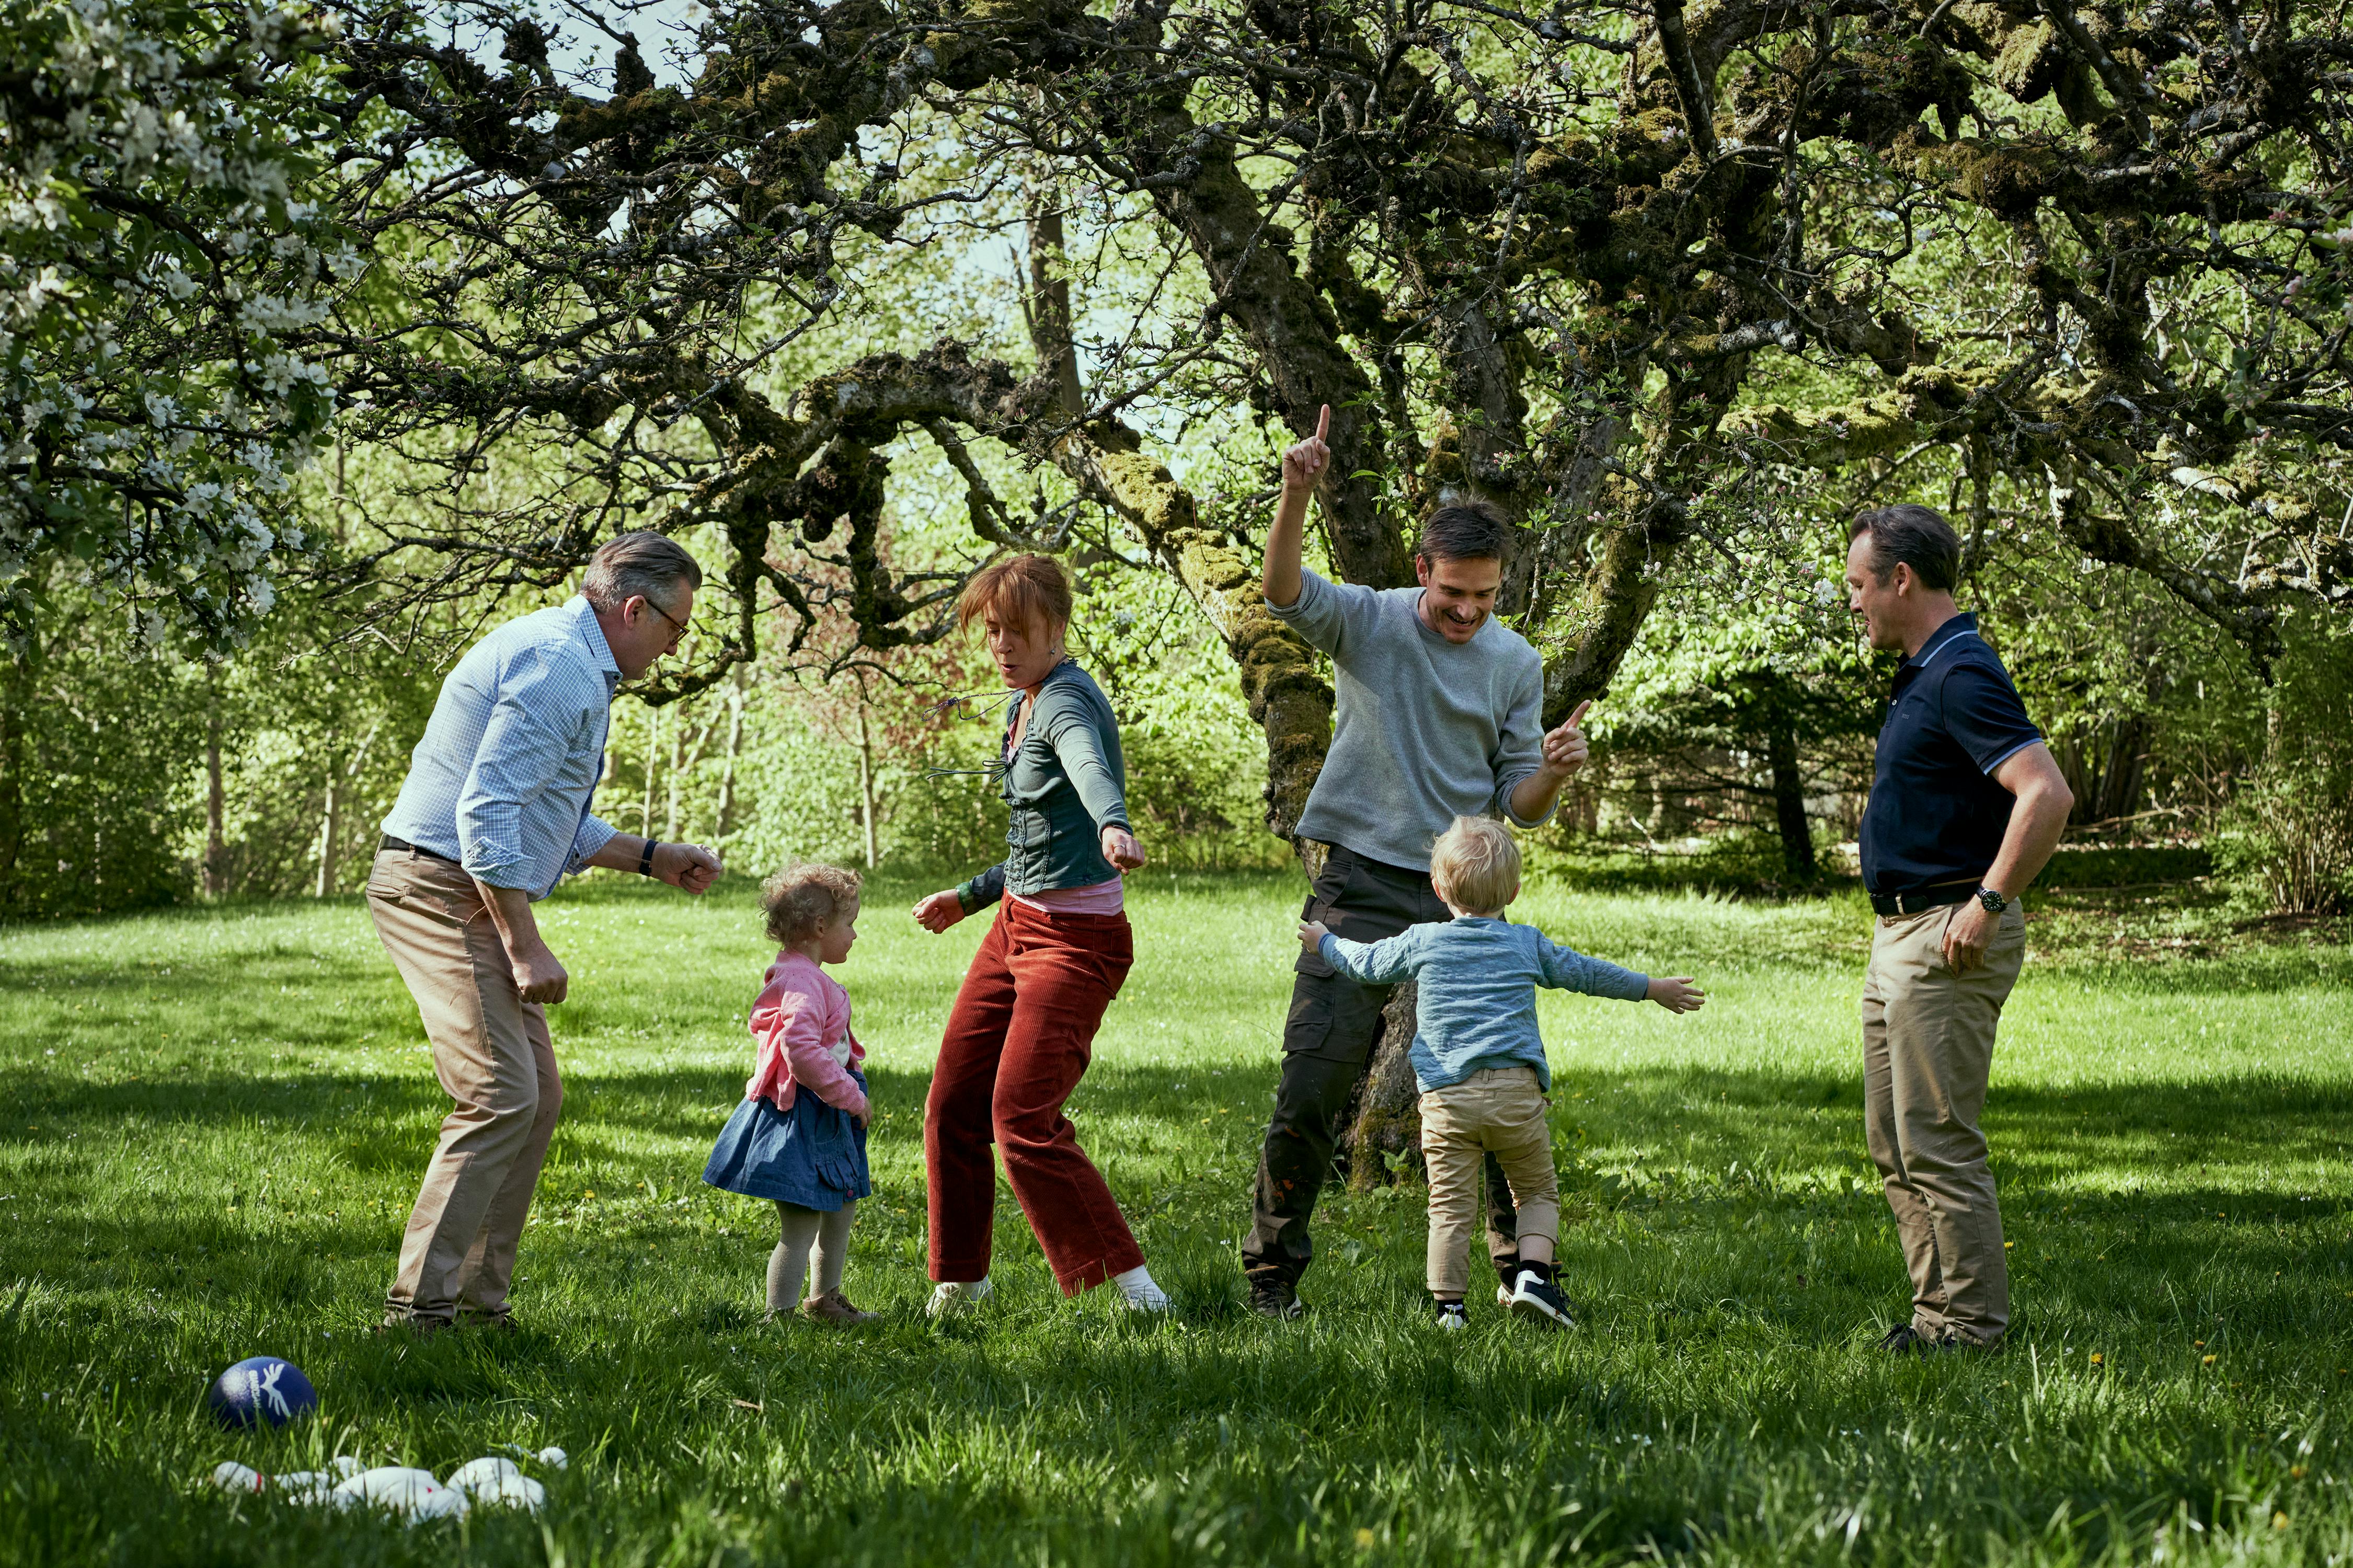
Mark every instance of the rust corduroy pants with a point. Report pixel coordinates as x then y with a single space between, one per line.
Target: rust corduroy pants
1017 1042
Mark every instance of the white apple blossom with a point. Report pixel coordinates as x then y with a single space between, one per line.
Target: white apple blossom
156 274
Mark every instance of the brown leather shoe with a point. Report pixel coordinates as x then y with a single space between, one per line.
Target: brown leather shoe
834 1308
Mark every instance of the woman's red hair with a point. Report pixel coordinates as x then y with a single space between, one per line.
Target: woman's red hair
1020 590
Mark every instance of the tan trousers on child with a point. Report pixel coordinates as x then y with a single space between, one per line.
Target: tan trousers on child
492 1055
1499 1110
1928 1048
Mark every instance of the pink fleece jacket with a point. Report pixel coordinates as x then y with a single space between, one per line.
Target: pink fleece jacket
802 1025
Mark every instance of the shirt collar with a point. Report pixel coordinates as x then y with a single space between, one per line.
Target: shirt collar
592 636
1944 636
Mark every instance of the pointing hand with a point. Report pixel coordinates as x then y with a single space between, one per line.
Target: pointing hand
1565 749
1305 463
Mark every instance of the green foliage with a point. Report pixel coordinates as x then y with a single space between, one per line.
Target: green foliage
2291 829
94 770
218 1158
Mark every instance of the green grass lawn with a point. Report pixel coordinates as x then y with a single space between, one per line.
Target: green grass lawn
213 1124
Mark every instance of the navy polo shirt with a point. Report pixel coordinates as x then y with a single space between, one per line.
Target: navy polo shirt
1937 815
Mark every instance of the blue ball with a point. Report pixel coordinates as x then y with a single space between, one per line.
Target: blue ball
261 1390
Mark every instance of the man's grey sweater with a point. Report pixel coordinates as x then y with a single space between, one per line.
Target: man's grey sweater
1427 729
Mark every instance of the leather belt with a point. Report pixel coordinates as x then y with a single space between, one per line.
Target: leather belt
404 846
1926 898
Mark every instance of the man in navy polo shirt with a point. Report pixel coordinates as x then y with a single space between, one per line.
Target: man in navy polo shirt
1965 807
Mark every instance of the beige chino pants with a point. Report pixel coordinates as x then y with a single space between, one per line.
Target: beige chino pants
1499 1110
492 1055
1928 1048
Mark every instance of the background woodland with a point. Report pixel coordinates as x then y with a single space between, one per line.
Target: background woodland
333 336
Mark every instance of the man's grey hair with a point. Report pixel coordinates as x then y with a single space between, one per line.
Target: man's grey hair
638 566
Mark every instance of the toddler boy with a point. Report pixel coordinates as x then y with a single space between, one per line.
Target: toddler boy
1478 1058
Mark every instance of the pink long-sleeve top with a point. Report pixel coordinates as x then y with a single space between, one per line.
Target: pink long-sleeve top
801 1023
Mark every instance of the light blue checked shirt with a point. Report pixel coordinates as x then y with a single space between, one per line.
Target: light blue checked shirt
1476 1007
502 779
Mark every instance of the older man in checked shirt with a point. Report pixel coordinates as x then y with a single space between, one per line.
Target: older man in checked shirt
493 813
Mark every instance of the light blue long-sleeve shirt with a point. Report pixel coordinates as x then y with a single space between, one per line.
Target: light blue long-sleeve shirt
1476 1007
502 779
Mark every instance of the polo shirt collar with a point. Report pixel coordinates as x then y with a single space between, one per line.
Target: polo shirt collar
1960 625
592 636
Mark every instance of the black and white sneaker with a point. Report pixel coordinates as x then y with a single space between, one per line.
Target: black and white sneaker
1275 1298
1451 1316
1536 1297
1507 1268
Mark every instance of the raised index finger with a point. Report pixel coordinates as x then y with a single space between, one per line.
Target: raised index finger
1324 423
1578 716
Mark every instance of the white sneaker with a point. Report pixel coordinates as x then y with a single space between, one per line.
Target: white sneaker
1140 1293
1451 1318
952 1298
1504 1296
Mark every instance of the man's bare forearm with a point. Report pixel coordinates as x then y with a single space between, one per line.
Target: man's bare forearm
1534 795
2037 818
509 909
621 853
1284 543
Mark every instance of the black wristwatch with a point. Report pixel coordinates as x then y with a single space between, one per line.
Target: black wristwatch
1992 900
646 857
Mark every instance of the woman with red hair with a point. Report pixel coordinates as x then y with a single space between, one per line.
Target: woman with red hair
1020 1036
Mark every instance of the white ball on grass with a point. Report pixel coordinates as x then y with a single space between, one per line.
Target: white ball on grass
232 1476
491 1479
413 1494
439 1503
553 1458
477 1473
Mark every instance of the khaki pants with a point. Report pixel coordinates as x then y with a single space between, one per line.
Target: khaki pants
1927 1046
1499 1111
492 1055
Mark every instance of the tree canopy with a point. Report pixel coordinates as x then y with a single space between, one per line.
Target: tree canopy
1612 267
1676 286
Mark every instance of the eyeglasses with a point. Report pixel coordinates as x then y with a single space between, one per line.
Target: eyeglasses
683 626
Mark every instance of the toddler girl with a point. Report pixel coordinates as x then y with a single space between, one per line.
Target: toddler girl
799 1137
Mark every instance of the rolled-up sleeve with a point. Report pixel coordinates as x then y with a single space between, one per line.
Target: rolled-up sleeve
522 750
1519 750
594 835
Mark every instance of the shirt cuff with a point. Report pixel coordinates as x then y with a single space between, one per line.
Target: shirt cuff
1989 768
495 873
983 891
594 835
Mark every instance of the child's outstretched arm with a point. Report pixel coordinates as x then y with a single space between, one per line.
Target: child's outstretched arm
1564 969
1371 964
